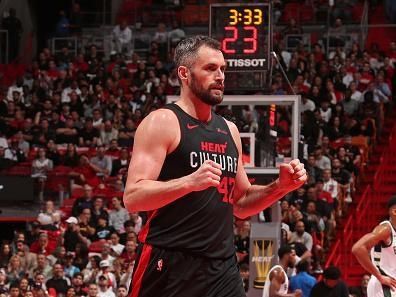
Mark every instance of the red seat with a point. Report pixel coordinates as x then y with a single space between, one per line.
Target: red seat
76 193
19 170
97 246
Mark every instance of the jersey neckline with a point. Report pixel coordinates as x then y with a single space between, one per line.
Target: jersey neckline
204 124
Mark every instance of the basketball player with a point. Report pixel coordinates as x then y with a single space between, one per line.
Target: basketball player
382 263
277 283
186 171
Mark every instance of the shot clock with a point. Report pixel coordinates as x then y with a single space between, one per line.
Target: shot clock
244 31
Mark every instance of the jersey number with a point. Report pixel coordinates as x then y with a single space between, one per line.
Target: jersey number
226 188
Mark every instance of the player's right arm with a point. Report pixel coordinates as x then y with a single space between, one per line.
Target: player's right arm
155 138
361 250
277 278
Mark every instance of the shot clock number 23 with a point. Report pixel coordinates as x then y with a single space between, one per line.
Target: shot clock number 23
244 33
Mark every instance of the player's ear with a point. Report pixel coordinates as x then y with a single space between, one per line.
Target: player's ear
182 71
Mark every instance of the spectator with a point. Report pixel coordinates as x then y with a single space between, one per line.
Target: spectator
27 259
68 134
86 201
98 210
86 230
242 240
104 289
42 245
72 236
361 290
103 231
3 281
39 281
120 165
302 280
115 244
71 292
5 163
81 256
306 104
325 111
292 28
69 269
92 269
330 185
138 221
97 118
315 223
43 268
161 38
85 173
58 281
122 291
105 254
301 236
331 285
71 158
14 290
176 34
93 290
122 38
108 133
126 134
118 215
15 270
102 162
129 227
105 271
14 153
49 212
68 91
322 161
314 172
128 255
40 167
78 285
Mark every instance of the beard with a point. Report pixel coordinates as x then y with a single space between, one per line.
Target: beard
205 95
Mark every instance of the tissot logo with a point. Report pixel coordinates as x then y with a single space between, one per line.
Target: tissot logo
246 62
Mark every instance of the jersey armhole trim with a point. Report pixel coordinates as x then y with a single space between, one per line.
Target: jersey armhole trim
173 107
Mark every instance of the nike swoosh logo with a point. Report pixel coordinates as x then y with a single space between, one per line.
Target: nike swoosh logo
189 126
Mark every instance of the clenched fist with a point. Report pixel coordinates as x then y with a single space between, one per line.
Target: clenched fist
292 175
207 175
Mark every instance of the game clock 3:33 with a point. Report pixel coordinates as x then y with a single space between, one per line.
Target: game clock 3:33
244 31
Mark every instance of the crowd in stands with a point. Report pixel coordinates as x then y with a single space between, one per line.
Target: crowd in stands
73 118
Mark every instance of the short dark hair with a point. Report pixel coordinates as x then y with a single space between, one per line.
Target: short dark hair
332 273
392 201
283 250
302 266
187 49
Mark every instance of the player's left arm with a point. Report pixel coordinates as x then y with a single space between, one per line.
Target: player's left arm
251 199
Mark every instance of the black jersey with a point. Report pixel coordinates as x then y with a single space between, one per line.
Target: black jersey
200 222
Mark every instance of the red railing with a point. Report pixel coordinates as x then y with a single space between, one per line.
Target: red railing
353 225
335 255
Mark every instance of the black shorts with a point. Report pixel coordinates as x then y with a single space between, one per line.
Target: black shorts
166 273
